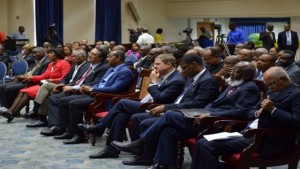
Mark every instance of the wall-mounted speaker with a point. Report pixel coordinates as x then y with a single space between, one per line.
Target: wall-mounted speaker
133 11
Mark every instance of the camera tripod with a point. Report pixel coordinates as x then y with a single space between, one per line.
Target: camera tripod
188 41
220 40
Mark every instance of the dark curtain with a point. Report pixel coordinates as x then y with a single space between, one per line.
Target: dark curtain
108 20
251 28
47 13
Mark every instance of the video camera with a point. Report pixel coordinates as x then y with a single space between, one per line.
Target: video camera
133 35
218 27
188 31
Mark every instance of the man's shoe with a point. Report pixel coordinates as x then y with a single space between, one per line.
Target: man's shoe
65 135
75 140
31 115
38 123
135 147
92 129
105 154
138 160
157 166
52 131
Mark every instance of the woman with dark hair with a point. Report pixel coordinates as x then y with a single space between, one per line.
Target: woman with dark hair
56 70
158 36
67 50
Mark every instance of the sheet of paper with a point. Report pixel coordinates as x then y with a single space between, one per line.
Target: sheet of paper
222 136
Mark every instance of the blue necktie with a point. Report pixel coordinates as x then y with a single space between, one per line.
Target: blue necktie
104 81
187 88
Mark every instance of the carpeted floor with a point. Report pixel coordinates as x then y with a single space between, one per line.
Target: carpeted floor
25 148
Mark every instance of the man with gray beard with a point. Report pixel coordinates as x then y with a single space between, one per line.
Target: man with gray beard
236 101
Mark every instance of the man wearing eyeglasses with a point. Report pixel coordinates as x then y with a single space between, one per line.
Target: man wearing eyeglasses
286 60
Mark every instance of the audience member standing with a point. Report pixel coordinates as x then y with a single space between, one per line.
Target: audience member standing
288 39
19 34
268 37
234 37
158 36
145 39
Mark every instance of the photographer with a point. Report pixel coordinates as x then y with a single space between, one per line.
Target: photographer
52 37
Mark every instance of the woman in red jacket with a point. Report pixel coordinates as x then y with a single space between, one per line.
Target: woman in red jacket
56 70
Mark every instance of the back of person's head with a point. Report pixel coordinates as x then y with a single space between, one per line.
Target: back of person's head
246 69
289 54
120 47
167 58
145 30
39 49
120 54
190 58
159 30
166 49
103 51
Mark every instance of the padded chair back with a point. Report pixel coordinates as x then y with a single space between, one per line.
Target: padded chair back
145 75
3 70
19 67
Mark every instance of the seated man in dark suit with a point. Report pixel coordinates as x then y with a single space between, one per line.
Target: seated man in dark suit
280 109
235 101
167 84
212 59
117 79
9 91
77 70
200 90
92 75
286 60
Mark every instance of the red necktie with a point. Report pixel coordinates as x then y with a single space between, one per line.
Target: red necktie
231 90
78 82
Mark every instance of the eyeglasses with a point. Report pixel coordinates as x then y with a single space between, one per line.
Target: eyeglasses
110 56
272 84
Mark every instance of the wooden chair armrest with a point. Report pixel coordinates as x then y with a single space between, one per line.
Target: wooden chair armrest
270 132
222 123
212 123
132 96
259 136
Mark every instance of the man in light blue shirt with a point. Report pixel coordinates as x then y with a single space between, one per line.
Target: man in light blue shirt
20 34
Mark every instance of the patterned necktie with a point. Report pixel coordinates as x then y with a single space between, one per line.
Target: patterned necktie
231 90
78 82
186 89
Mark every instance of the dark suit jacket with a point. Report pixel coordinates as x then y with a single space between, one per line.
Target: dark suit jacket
286 116
238 103
29 59
168 91
119 82
204 90
42 68
268 43
5 59
68 77
294 73
96 75
282 41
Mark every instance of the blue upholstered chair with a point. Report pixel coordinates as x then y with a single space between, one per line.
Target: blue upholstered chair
3 70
